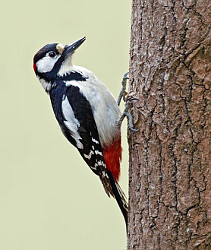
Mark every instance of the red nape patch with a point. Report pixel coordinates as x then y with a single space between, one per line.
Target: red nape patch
34 67
113 156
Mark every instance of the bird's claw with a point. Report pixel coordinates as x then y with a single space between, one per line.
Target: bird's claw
123 92
127 114
127 99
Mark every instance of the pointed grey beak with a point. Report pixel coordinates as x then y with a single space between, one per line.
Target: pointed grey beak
69 49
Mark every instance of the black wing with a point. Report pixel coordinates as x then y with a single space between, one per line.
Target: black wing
91 151
80 118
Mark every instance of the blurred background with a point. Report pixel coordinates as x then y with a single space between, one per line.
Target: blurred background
49 198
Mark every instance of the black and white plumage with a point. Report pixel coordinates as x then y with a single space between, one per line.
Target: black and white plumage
86 112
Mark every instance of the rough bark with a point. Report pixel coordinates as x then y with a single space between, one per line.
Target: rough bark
170 74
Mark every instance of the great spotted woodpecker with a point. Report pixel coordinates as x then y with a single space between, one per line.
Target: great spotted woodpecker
86 112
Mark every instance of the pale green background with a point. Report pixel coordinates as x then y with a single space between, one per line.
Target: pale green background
49 198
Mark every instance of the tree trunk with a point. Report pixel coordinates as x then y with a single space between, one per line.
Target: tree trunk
170 74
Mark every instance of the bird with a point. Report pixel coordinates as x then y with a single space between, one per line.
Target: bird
87 113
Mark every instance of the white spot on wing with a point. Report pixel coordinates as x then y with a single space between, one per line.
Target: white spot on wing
89 155
98 153
99 163
94 168
71 122
95 141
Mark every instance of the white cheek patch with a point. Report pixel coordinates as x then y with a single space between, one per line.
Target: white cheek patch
46 64
66 67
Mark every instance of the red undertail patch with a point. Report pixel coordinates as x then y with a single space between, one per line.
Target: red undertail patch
113 156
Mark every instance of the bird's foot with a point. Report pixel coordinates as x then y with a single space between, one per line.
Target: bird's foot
128 100
123 92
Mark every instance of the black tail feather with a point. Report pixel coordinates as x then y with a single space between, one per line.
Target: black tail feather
119 196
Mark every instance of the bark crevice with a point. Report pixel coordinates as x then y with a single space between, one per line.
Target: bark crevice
169 179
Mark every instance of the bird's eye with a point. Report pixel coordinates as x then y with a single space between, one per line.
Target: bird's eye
52 54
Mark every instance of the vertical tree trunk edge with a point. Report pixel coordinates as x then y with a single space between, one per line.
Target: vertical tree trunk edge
170 155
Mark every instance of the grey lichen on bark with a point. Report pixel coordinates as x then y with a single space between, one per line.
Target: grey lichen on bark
170 155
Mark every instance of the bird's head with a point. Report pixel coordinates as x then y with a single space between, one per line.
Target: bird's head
53 60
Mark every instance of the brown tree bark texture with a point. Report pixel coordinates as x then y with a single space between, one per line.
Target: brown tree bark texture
170 74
